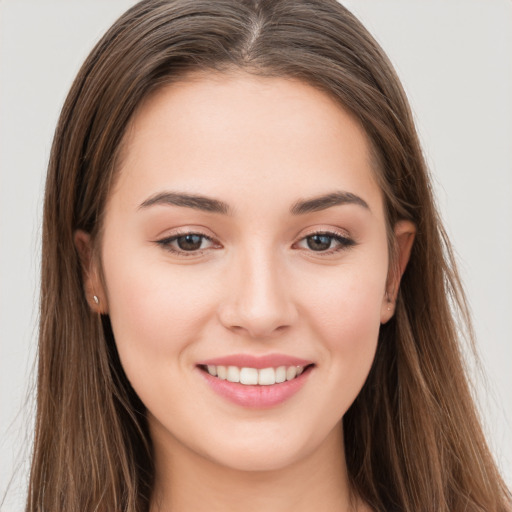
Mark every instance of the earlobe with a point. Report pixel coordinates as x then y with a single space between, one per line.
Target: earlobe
405 231
93 287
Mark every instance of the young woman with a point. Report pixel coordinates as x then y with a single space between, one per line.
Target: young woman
247 296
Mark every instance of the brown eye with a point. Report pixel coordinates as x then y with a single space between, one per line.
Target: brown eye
189 242
319 242
326 243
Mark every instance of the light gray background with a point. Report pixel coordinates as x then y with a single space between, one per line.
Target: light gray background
455 60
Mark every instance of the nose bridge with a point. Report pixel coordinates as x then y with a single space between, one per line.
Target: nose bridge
259 302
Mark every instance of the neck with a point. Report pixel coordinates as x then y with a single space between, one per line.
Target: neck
186 481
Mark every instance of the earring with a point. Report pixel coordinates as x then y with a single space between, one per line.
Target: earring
95 299
388 301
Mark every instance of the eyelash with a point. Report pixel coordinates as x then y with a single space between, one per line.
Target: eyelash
344 243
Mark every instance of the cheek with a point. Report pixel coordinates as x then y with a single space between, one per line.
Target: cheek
345 304
344 314
155 310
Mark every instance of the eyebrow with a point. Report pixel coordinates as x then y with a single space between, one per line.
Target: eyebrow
207 204
211 205
323 202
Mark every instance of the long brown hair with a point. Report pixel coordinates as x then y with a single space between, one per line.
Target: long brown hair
413 439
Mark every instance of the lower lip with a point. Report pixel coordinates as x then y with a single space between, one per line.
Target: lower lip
256 396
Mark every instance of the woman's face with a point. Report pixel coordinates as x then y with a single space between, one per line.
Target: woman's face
245 235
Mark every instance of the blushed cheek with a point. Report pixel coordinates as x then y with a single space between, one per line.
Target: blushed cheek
349 322
154 314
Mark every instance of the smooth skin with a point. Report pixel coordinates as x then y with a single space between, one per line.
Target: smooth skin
257 280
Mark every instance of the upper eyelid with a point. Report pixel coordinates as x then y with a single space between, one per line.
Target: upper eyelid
327 231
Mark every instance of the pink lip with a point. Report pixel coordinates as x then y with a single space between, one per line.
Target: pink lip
259 362
256 396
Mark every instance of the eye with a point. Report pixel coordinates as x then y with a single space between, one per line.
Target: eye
326 242
190 244
183 243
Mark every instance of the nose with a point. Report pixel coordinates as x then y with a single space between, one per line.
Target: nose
258 300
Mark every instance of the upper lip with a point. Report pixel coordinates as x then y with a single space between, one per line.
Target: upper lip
259 362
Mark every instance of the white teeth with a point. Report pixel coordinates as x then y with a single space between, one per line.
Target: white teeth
248 376
221 372
233 374
253 376
291 372
281 374
267 377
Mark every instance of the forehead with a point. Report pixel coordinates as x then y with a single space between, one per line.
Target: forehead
239 135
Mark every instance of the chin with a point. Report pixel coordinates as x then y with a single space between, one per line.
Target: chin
270 449
256 458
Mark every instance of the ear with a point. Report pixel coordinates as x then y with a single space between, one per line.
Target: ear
405 232
93 287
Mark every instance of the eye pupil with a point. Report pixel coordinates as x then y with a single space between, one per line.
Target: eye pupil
319 242
189 242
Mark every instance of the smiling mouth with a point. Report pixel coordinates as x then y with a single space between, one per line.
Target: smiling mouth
255 376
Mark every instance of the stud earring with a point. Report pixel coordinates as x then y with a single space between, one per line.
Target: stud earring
95 299
388 301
